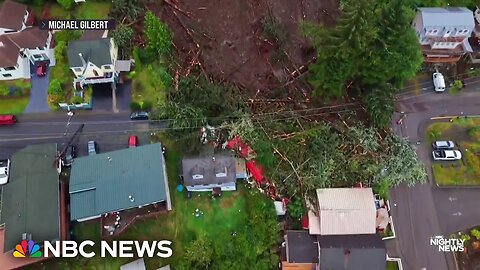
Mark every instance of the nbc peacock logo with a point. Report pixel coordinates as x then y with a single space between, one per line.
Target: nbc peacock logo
27 249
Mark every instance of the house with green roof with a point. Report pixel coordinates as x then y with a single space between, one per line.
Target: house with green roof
33 202
119 180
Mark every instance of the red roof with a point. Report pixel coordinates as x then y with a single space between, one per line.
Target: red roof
243 149
255 170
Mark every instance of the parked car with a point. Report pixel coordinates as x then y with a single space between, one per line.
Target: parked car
4 171
92 147
447 155
132 141
438 82
6 120
41 70
139 116
443 145
70 155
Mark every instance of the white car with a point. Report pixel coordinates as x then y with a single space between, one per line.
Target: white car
447 155
443 145
4 171
438 82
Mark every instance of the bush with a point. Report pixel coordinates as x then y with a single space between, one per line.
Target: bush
475 133
146 105
76 100
4 91
135 106
475 233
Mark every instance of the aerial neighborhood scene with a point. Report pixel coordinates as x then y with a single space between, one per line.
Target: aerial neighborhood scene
239 135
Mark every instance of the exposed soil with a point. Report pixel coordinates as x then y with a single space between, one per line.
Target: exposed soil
233 46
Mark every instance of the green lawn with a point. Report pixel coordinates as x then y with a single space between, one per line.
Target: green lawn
92 10
392 266
148 85
467 171
227 214
14 105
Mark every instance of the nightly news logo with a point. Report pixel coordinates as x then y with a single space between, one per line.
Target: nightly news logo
115 249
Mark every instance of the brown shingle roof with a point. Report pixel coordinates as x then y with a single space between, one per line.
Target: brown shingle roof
8 52
11 15
30 38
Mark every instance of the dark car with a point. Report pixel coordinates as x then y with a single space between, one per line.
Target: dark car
139 116
41 70
70 155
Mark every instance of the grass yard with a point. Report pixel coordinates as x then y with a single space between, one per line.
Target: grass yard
466 135
14 105
148 85
392 266
92 10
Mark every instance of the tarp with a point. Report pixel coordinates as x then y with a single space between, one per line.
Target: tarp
256 171
243 149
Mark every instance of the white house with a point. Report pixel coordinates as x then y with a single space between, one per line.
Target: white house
443 32
20 51
209 170
14 17
92 59
22 47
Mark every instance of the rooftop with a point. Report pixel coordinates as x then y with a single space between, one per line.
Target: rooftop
346 211
10 44
301 247
352 252
30 201
12 14
118 180
96 51
450 17
209 167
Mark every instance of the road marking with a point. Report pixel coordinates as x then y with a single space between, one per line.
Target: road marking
452 199
31 138
443 117
457 214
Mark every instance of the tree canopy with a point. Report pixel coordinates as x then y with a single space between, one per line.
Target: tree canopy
371 45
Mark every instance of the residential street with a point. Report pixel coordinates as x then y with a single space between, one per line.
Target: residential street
424 211
42 128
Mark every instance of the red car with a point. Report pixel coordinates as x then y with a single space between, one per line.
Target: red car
7 120
132 141
41 70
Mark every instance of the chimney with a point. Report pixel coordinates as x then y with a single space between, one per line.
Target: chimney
83 60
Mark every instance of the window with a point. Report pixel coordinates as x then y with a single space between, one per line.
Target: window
95 72
77 69
7 75
10 68
37 56
40 48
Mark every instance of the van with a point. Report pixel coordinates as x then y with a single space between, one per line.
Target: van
6 120
438 82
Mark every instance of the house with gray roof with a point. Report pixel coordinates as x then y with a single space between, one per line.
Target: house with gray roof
443 32
210 170
302 251
119 180
92 59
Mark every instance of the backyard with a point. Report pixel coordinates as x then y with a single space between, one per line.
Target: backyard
217 219
464 132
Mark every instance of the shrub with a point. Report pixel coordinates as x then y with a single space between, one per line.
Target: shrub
465 237
475 233
4 91
135 106
146 105
76 100
475 133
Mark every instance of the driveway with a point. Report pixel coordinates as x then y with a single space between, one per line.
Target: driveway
38 94
424 211
102 97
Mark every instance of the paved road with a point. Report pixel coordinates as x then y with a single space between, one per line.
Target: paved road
426 210
47 128
38 94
